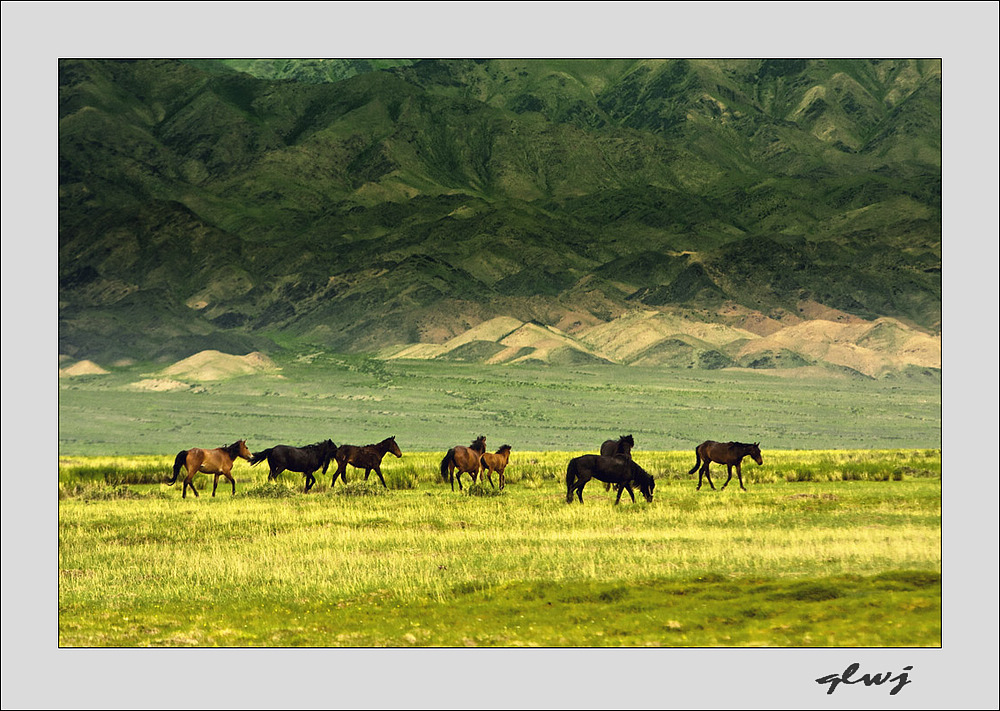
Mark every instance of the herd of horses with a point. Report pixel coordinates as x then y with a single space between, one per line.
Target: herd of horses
614 465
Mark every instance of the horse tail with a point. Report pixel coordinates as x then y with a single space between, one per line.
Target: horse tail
260 456
697 456
571 472
449 458
179 461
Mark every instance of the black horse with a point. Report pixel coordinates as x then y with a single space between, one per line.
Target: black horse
612 470
729 453
297 459
621 447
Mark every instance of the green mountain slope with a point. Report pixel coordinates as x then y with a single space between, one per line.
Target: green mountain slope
361 205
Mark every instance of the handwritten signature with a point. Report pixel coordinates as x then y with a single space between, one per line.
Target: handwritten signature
835 680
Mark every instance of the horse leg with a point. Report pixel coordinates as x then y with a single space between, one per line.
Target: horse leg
739 474
189 481
310 480
621 488
231 481
341 472
378 470
708 476
730 468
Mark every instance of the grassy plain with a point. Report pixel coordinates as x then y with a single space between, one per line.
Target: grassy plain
836 543
824 549
432 405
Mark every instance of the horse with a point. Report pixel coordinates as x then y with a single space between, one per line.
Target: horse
729 453
490 463
613 470
368 458
218 461
297 459
620 447
463 459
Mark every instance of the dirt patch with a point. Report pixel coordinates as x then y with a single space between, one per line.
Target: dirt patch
214 365
84 367
158 385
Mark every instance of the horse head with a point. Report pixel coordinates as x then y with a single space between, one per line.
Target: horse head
328 450
242 450
626 440
479 444
393 447
645 481
755 453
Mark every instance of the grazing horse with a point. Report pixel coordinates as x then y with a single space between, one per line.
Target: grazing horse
495 463
463 459
218 461
368 458
297 459
613 470
729 453
622 447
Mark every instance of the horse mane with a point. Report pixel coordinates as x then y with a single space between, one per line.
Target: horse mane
636 469
379 445
502 448
479 444
233 450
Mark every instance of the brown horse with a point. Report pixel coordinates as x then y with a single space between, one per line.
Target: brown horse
729 453
218 461
621 447
463 459
495 463
368 458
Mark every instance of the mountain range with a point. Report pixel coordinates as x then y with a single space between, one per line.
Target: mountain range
693 213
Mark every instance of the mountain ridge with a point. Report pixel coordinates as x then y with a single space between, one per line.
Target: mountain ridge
220 210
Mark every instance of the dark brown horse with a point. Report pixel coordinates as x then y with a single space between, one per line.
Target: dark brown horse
621 447
613 470
729 453
495 463
368 458
463 459
297 459
218 461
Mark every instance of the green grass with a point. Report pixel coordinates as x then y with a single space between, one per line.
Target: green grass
839 562
430 406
